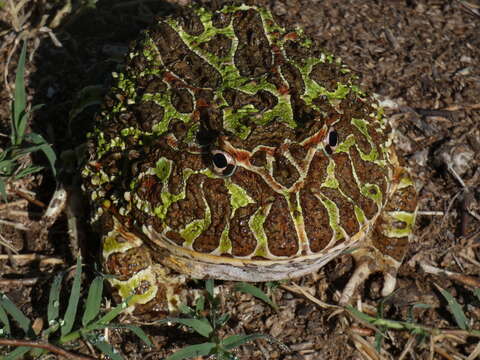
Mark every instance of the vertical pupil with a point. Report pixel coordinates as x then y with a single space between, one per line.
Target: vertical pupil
219 160
332 138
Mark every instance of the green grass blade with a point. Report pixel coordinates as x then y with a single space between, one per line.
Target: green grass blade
72 307
45 147
136 330
7 167
209 286
200 304
18 353
256 292
107 349
16 313
94 300
54 299
193 351
112 314
6 323
27 171
456 309
201 326
222 319
477 293
3 190
20 100
234 341
187 310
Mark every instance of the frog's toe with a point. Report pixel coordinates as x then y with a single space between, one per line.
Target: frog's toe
369 261
361 273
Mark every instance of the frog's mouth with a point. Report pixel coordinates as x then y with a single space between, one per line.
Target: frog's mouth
202 265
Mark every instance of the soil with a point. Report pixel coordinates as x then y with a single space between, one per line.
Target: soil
422 60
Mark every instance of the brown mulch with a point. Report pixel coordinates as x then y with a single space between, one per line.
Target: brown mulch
420 57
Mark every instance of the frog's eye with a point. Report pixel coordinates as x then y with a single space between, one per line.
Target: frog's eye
223 163
331 141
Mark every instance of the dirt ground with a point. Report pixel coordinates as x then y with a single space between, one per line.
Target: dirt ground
420 57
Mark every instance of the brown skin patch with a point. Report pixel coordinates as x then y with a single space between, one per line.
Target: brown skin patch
221 20
328 75
284 172
156 308
294 78
280 230
253 56
404 199
395 247
297 52
182 100
148 114
370 173
298 152
348 184
149 189
262 100
126 264
344 128
259 158
183 161
219 45
183 212
254 185
218 200
190 22
175 237
178 58
316 219
243 241
273 134
315 215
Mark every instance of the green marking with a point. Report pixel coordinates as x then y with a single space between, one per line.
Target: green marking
362 126
128 86
405 182
333 216
164 100
376 196
196 228
238 196
330 180
225 246
111 245
372 156
163 168
360 215
167 200
404 216
344 146
128 288
256 225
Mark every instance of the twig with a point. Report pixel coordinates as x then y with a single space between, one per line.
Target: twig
19 282
464 279
17 226
33 257
46 346
29 198
299 290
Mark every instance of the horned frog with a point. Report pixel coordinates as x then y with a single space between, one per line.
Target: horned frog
232 148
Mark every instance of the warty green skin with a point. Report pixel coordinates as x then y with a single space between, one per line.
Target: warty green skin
294 201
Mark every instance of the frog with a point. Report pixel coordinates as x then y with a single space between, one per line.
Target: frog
232 147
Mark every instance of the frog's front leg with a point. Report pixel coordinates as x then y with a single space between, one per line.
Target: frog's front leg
151 289
387 242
